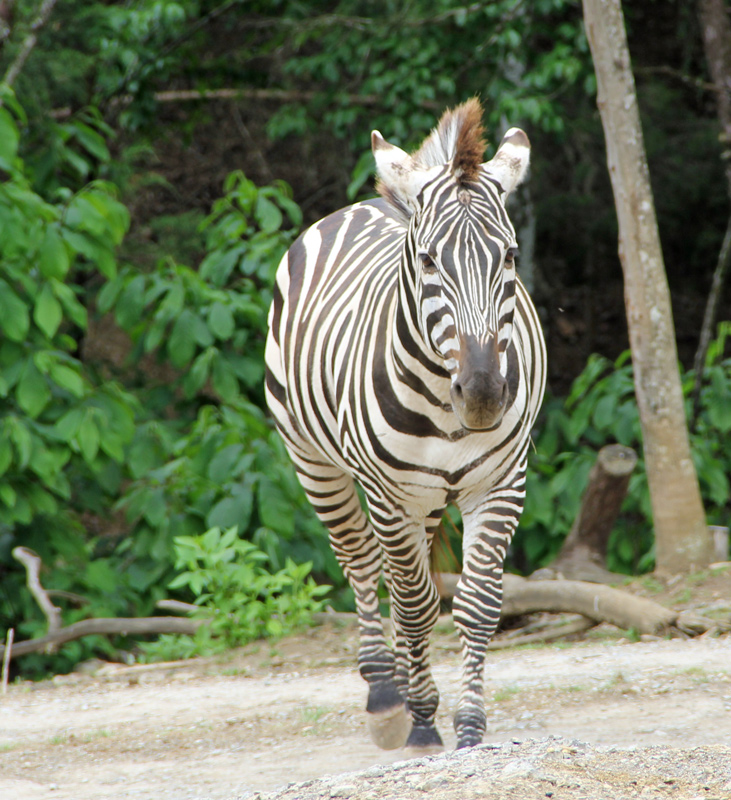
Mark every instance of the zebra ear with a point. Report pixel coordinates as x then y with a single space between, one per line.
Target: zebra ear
510 163
399 179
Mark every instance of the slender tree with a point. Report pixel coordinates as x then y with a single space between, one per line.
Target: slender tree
682 540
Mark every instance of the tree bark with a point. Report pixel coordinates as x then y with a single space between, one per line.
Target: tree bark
681 538
584 553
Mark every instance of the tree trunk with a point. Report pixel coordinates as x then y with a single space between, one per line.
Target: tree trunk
584 553
681 537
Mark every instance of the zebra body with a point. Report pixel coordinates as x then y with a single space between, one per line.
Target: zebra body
405 355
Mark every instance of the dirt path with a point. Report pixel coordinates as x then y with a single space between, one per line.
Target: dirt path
264 717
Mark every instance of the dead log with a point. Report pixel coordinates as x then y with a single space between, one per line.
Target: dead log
584 552
597 602
132 626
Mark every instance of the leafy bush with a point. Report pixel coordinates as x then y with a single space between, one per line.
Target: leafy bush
217 462
177 457
601 409
238 597
63 431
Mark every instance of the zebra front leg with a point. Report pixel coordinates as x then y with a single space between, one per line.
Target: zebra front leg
476 611
333 496
400 645
414 610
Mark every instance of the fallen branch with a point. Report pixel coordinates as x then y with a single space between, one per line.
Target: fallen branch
32 564
595 601
132 626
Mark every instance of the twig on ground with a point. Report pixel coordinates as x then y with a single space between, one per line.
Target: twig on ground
6 658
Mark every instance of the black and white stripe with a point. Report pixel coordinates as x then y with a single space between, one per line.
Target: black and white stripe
405 355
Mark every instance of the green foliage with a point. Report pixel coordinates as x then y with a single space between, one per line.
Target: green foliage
218 462
601 409
426 56
186 455
63 432
238 597
211 321
54 418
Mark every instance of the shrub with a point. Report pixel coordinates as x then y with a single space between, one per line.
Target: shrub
601 409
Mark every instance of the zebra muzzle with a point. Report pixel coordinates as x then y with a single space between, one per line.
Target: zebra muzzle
479 391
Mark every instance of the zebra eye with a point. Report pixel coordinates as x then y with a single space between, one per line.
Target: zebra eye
427 265
510 256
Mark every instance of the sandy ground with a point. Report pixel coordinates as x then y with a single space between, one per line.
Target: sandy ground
268 715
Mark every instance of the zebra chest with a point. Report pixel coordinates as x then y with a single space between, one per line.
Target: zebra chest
419 461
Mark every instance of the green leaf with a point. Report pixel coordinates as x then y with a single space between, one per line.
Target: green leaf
14 317
32 392
233 510
201 331
53 257
267 214
156 507
604 412
182 343
224 380
68 425
221 321
275 510
88 439
109 294
73 308
221 468
101 575
8 495
22 439
91 140
197 375
6 454
9 139
131 302
48 313
48 462
68 378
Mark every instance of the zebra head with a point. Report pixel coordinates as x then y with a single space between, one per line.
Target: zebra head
458 269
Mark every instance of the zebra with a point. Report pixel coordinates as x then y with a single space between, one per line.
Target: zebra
405 356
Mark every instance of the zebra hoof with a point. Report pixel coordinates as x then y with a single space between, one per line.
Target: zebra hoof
423 742
390 728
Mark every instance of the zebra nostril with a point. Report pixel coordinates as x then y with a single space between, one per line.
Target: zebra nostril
458 389
504 394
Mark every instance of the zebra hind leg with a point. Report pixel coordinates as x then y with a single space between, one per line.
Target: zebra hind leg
333 496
